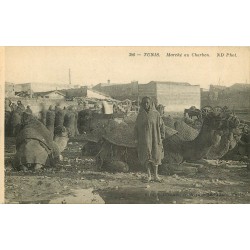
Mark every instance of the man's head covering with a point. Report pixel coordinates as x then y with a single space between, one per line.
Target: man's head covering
151 103
28 110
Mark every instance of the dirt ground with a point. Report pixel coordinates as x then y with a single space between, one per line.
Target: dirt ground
76 180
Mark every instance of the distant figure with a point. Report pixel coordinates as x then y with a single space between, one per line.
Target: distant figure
149 132
50 120
7 119
115 108
59 118
160 109
244 145
8 105
16 120
61 139
43 114
84 121
85 105
28 110
70 121
13 106
20 106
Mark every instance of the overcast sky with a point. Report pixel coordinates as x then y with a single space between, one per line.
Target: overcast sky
92 65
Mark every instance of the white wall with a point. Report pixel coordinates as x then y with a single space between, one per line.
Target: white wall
40 87
178 97
54 95
92 94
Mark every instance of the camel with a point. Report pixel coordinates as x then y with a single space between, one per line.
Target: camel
176 150
218 135
229 139
35 145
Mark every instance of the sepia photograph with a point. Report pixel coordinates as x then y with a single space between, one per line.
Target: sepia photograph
127 125
124 124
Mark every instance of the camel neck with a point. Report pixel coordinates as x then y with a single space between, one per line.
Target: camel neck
205 137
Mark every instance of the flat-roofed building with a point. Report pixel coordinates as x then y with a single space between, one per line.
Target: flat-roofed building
119 91
175 96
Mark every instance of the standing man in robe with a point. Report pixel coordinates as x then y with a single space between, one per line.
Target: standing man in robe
50 120
43 114
149 132
16 120
59 118
70 121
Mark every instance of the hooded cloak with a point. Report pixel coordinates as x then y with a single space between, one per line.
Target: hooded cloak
149 132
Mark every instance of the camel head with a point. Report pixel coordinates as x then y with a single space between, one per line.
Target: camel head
236 134
231 130
212 127
230 133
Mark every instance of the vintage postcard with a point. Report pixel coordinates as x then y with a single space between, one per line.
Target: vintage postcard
125 125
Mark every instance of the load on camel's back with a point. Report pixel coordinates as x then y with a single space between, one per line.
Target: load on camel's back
192 112
92 136
118 149
35 146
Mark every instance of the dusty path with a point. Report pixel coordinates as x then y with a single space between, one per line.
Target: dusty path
76 180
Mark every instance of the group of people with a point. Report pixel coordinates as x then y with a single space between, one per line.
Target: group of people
52 117
13 116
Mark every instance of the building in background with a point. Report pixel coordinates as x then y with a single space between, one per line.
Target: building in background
45 86
75 92
19 90
235 97
96 95
55 94
117 91
175 96
28 89
9 89
83 92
